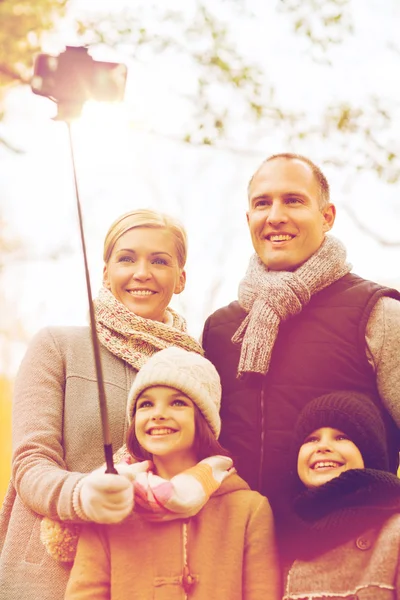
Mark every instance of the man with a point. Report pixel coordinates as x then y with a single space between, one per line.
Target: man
303 326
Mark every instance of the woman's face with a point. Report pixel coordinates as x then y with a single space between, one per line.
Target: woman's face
325 454
143 272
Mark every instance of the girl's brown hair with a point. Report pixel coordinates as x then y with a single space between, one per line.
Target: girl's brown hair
205 444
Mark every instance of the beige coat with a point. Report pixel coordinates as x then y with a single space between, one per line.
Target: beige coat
230 549
57 436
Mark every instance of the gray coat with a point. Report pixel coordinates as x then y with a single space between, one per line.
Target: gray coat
57 436
364 568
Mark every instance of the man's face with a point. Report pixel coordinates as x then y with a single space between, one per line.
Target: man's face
286 223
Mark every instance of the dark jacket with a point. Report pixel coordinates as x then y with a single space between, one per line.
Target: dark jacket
320 350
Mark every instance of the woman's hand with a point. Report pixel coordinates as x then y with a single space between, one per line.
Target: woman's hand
104 497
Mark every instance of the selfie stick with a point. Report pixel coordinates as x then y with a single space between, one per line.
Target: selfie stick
95 340
70 79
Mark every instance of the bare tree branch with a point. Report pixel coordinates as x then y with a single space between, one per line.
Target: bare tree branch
13 75
10 146
365 229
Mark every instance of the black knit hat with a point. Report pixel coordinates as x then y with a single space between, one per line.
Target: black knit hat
353 413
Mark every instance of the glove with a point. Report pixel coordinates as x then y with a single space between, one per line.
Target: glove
104 497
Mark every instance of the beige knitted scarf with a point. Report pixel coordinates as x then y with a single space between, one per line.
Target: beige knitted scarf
133 338
270 297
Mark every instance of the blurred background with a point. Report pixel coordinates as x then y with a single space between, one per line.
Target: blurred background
213 88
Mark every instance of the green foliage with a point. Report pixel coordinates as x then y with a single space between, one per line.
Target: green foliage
197 38
323 22
22 24
222 86
229 88
362 137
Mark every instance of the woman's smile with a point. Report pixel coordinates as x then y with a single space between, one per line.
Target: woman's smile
141 292
143 272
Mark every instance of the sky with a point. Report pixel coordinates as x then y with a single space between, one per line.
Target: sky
127 158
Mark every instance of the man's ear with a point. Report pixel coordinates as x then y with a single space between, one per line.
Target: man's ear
180 286
106 281
328 215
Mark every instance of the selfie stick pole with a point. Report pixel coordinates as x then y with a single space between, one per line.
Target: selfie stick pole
95 340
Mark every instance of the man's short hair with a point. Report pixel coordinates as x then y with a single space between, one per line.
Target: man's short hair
318 174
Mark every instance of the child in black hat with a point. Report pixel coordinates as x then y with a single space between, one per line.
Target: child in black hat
346 538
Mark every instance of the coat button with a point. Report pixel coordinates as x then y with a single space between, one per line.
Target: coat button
363 543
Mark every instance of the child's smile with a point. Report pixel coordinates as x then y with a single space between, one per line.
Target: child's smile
324 454
326 464
165 426
160 431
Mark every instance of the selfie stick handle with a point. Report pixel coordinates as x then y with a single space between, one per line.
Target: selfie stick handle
95 340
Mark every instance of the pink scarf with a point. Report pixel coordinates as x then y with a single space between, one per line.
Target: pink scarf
182 496
156 499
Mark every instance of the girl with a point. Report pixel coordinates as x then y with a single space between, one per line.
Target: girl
347 540
197 530
56 418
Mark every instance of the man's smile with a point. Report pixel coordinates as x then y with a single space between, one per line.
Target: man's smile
279 237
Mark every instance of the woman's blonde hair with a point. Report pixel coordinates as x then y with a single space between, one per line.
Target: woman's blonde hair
144 217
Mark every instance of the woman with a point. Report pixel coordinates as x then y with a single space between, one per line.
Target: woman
56 422
347 539
197 530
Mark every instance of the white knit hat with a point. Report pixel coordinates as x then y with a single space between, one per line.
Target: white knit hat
188 372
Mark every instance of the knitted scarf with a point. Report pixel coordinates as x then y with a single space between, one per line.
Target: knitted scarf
182 496
342 509
270 297
133 338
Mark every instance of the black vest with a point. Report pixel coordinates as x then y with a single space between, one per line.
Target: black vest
320 350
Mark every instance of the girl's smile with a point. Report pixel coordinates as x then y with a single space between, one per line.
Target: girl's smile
160 431
165 427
